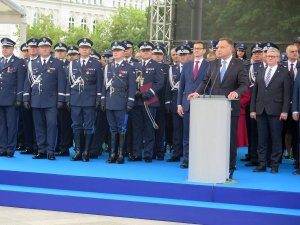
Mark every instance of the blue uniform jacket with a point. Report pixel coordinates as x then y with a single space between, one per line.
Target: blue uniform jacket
119 86
45 85
172 88
187 85
152 74
11 80
84 87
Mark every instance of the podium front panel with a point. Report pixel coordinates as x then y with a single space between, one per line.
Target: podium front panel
209 140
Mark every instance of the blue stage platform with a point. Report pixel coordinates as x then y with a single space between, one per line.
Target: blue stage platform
157 190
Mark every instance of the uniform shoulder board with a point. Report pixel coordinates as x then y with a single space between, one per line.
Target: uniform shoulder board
284 66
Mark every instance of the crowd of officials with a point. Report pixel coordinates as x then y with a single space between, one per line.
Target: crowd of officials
137 106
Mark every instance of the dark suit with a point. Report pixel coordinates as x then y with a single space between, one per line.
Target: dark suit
268 103
187 86
290 126
235 79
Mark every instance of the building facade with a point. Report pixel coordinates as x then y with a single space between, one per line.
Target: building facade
66 13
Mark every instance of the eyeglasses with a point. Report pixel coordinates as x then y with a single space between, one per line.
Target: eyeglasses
272 56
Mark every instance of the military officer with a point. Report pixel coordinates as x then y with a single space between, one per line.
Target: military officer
95 55
72 52
132 61
12 71
118 98
256 65
84 96
26 114
171 102
150 82
190 45
106 57
24 50
44 91
20 136
64 121
159 151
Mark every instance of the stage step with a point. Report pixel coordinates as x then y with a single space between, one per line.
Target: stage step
186 211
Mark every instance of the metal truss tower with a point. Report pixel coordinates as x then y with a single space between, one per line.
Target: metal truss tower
161 27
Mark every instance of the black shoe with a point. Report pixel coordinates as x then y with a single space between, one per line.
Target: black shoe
120 159
51 156
173 159
27 151
296 172
85 156
135 158
63 153
20 148
148 159
185 164
260 169
274 169
246 159
94 155
3 154
77 156
160 158
10 154
39 156
252 164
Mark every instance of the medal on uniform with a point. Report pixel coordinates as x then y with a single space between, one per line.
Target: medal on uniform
140 79
9 69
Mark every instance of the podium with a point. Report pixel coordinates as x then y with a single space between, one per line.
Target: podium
209 144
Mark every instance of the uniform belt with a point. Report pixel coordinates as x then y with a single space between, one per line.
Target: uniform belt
89 82
112 89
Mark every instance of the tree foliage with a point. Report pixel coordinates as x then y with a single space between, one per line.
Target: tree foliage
268 20
125 23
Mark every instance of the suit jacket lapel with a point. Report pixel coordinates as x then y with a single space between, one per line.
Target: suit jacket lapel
229 67
274 76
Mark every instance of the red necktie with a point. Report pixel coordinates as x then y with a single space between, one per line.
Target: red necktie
291 72
196 69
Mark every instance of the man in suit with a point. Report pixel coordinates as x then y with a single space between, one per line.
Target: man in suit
12 74
44 92
191 77
290 127
171 102
226 76
84 97
118 99
269 106
150 82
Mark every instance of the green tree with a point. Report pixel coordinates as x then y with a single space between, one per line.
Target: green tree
45 28
268 20
125 23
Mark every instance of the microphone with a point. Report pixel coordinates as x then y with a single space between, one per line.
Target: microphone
207 84
213 84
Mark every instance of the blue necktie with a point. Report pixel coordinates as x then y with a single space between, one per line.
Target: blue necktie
268 77
223 70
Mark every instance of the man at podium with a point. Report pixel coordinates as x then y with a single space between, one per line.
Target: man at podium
226 76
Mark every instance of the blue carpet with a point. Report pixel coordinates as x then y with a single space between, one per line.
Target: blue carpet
157 171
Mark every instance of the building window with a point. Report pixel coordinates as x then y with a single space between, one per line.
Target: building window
94 25
101 2
83 24
124 3
36 16
51 17
119 3
135 5
71 22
